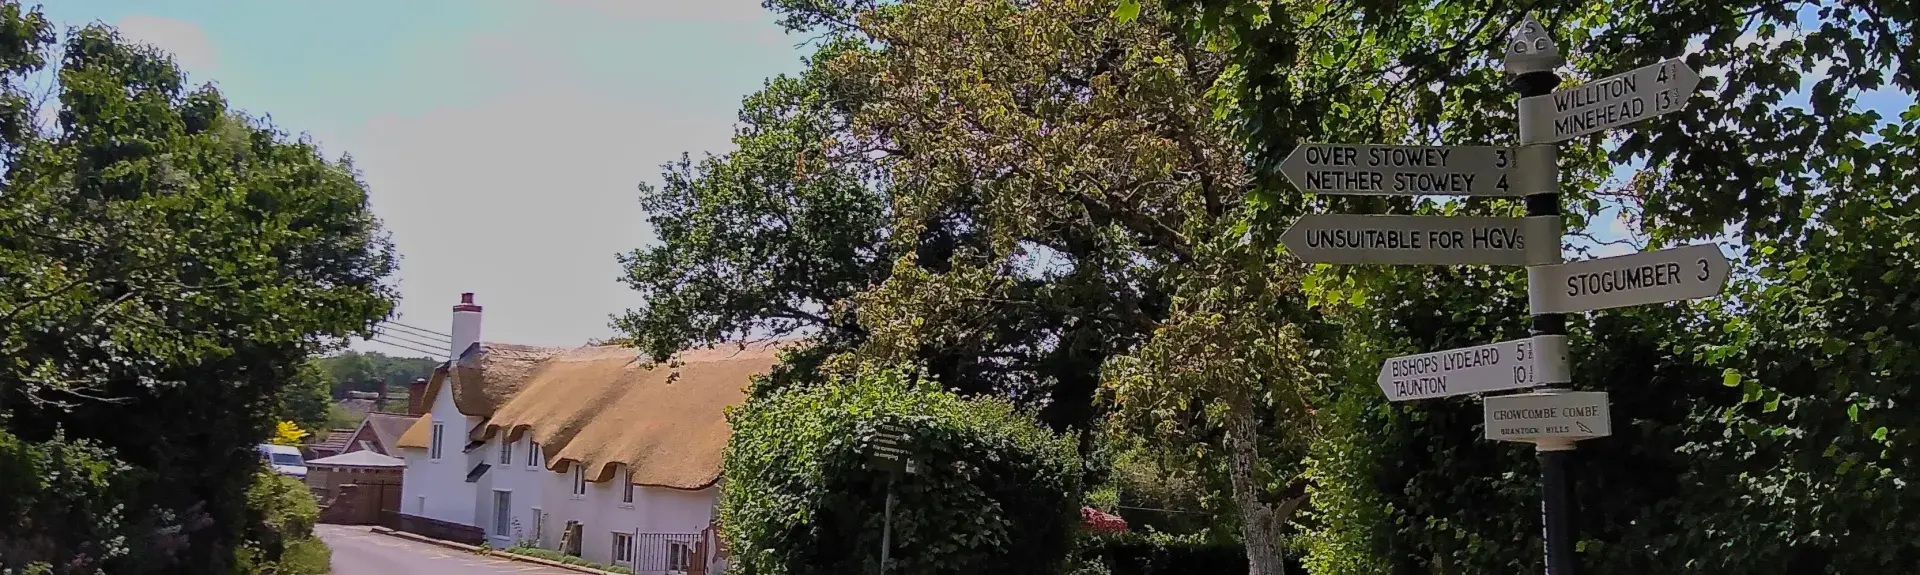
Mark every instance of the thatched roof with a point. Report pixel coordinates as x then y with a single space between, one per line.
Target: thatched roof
603 407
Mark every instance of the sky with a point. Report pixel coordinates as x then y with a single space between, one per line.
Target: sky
502 140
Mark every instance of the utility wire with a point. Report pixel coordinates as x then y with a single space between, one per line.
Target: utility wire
422 330
405 347
402 337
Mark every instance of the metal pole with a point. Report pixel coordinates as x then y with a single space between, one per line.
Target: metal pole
886 526
1532 57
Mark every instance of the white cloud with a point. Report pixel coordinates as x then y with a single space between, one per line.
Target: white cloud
185 40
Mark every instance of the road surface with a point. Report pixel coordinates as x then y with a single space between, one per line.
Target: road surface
358 551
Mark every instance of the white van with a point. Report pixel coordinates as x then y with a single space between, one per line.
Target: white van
284 459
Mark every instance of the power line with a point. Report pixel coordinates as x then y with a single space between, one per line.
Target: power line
405 347
423 331
402 337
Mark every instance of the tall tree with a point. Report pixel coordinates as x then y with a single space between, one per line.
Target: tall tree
167 266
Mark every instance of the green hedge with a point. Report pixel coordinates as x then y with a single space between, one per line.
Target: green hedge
1158 554
995 493
281 514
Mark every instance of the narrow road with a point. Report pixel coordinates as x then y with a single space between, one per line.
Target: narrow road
358 551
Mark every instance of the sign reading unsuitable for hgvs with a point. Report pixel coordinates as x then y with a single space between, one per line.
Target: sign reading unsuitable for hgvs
1674 274
1556 414
1368 169
1514 364
1407 240
1607 103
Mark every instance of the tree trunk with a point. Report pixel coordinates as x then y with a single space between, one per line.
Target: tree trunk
1259 524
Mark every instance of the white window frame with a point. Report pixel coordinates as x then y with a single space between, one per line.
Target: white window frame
626 488
439 436
506 452
533 453
622 554
579 481
420 505
502 512
679 556
539 526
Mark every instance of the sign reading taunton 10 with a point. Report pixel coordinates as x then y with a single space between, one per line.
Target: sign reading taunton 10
1479 369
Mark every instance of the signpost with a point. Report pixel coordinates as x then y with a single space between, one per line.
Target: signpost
1675 274
1548 416
1408 240
1551 419
889 454
1607 103
1493 367
1369 169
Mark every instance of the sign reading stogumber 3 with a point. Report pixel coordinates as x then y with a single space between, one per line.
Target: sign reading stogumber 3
1662 276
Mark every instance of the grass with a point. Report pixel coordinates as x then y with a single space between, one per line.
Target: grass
563 558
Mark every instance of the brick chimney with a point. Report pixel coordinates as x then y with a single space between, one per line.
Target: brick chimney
380 401
417 397
466 326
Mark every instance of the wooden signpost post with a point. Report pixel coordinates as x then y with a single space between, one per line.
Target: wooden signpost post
1548 416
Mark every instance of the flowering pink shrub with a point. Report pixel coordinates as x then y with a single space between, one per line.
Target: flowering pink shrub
1102 522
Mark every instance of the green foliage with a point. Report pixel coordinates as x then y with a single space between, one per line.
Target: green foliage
367 371
59 504
167 265
307 400
281 514
994 492
550 555
1153 553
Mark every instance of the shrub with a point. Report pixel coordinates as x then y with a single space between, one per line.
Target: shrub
281 513
1158 554
994 492
60 504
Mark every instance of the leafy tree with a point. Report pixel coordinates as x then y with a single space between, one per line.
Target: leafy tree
992 492
306 400
367 371
167 265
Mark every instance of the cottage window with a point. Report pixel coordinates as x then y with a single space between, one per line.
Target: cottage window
506 452
626 488
439 435
533 453
622 548
502 512
579 480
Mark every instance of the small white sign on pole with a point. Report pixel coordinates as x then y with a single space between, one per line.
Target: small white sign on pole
1548 415
1375 169
1607 103
1408 240
1674 274
1530 362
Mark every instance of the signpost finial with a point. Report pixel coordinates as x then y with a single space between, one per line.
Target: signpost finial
1531 49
